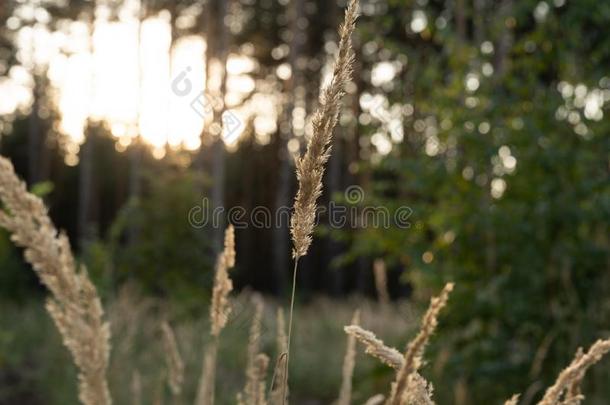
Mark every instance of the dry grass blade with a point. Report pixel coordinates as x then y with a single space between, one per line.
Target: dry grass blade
173 360
575 372
75 305
220 310
381 282
375 347
418 392
310 167
279 374
375 400
349 363
573 395
415 348
253 395
207 381
261 364
229 247
136 388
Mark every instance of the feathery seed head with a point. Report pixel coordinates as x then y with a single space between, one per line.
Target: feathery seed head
415 349
381 281
175 365
229 249
349 363
310 167
220 308
252 389
574 373
74 305
375 347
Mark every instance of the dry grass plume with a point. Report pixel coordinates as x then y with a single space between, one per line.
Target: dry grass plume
173 360
74 304
349 362
415 348
279 376
220 309
569 379
310 167
381 282
257 363
375 347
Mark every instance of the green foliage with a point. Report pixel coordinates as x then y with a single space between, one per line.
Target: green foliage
530 261
16 279
42 189
152 241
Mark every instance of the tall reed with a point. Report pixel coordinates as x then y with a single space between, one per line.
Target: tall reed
173 360
136 388
415 348
220 309
349 362
257 362
276 395
568 381
310 167
409 388
381 282
375 347
74 304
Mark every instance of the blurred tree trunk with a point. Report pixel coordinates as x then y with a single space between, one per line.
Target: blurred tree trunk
216 53
505 41
478 20
334 181
34 136
135 150
85 189
281 234
85 179
363 175
460 19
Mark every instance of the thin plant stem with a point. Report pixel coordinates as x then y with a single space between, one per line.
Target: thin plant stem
294 285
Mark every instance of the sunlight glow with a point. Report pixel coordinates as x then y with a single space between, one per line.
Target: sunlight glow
419 22
383 72
126 76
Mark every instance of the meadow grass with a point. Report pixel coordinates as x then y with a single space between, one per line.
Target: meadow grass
76 310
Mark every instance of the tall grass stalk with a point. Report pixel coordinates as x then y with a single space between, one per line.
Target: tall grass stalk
415 348
310 167
220 309
173 360
257 362
349 363
74 304
375 347
568 381
275 396
136 388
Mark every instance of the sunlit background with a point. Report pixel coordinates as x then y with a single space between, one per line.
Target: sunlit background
488 119
124 72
